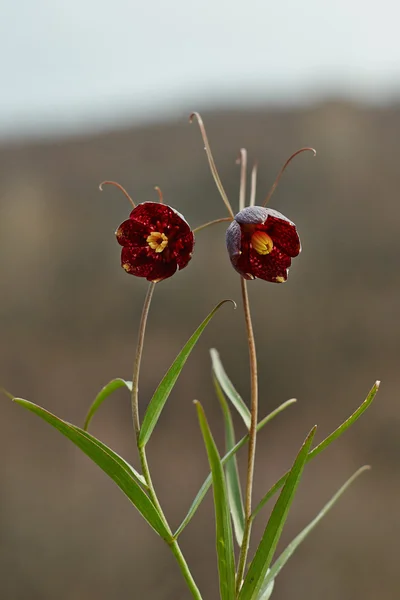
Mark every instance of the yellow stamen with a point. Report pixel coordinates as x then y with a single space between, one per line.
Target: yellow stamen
261 242
157 241
280 279
127 267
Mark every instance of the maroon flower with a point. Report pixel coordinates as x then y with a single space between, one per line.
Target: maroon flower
261 243
156 241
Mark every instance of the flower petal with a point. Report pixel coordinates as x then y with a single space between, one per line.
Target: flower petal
154 216
130 233
143 262
270 267
283 233
183 249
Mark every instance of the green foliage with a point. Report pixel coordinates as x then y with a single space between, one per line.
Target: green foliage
163 391
224 539
228 388
126 478
231 469
106 391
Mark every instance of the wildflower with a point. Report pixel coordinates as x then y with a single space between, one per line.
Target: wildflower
155 240
261 243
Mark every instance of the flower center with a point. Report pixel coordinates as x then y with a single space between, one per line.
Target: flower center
261 242
157 241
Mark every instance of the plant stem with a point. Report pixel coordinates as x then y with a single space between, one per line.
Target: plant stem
142 452
138 359
200 227
252 434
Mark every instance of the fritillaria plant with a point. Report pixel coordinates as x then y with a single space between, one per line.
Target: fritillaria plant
156 242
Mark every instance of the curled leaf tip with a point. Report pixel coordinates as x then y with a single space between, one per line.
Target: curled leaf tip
193 115
7 393
228 300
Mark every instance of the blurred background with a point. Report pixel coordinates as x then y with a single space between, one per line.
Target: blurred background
100 90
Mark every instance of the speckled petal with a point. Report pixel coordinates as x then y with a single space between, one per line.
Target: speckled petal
130 233
284 234
183 250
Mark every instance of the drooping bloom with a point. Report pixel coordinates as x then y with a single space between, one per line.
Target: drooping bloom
261 243
155 240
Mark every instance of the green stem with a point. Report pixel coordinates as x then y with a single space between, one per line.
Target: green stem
252 435
138 360
142 452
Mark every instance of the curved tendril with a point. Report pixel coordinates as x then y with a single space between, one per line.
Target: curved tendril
160 194
253 184
211 223
211 162
242 161
119 186
283 169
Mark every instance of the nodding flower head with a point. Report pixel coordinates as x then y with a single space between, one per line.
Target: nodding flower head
261 243
156 241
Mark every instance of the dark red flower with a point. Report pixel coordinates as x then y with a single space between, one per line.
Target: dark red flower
156 241
261 243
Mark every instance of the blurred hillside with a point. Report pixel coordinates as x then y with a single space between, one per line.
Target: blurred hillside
69 315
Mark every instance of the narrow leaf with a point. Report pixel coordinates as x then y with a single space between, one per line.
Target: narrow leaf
108 389
324 444
266 591
112 464
231 469
224 539
228 388
164 389
287 553
207 483
265 551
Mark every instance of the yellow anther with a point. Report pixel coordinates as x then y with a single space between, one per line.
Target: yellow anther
157 241
280 279
261 242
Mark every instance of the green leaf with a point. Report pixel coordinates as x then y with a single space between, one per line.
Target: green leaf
324 444
287 553
265 551
266 591
224 539
112 464
228 388
207 483
108 389
164 389
231 469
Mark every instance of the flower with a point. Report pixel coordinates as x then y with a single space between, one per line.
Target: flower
155 240
261 243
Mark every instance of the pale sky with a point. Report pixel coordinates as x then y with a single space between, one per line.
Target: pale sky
88 64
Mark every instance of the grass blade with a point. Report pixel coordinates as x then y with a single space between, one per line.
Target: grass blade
228 388
108 389
266 549
207 483
224 539
287 553
112 464
324 444
231 469
164 389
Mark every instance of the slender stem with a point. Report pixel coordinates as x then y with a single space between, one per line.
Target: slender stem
119 186
275 184
253 185
243 172
252 434
142 452
211 223
211 162
138 359
160 194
